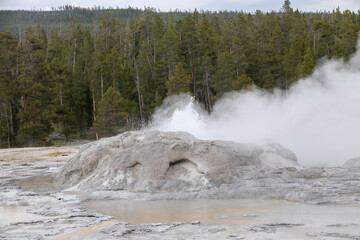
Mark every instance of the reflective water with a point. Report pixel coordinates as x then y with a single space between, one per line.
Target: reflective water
232 211
207 211
13 214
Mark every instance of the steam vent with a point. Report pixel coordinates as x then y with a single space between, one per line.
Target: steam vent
167 161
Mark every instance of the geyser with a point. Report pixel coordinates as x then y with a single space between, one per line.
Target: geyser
169 161
318 118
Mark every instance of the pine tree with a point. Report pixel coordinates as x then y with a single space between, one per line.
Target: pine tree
64 118
36 89
111 114
8 87
115 68
243 82
307 66
80 62
225 74
167 49
293 58
268 81
179 82
348 34
189 47
286 18
206 49
325 38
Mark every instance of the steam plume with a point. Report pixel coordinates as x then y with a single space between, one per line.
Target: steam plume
318 118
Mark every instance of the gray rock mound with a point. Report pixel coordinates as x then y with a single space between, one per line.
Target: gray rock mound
167 161
352 163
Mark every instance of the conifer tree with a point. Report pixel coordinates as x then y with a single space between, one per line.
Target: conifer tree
36 89
64 117
307 66
8 87
243 82
111 114
168 50
80 61
189 46
179 82
225 74
268 81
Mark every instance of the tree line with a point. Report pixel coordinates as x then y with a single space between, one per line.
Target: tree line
94 82
62 16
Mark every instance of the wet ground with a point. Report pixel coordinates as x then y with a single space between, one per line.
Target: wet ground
226 211
246 216
234 211
15 214
32 208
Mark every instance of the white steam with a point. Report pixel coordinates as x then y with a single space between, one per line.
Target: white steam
318 118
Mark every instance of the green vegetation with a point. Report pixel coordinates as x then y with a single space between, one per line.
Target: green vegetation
95 73
113 114
179 81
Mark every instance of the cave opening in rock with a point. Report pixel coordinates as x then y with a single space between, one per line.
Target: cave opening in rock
182 162
186 164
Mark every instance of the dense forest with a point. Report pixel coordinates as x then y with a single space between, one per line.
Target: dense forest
61 17
105 71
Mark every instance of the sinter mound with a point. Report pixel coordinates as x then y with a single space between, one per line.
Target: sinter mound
167 161
352 163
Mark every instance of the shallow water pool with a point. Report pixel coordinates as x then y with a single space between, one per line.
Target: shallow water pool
230 211
15 214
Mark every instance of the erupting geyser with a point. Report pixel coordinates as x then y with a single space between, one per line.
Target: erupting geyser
318 118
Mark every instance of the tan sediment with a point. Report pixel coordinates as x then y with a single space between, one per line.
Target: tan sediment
29 155
87 231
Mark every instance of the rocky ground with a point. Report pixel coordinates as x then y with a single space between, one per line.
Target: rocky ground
44 212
